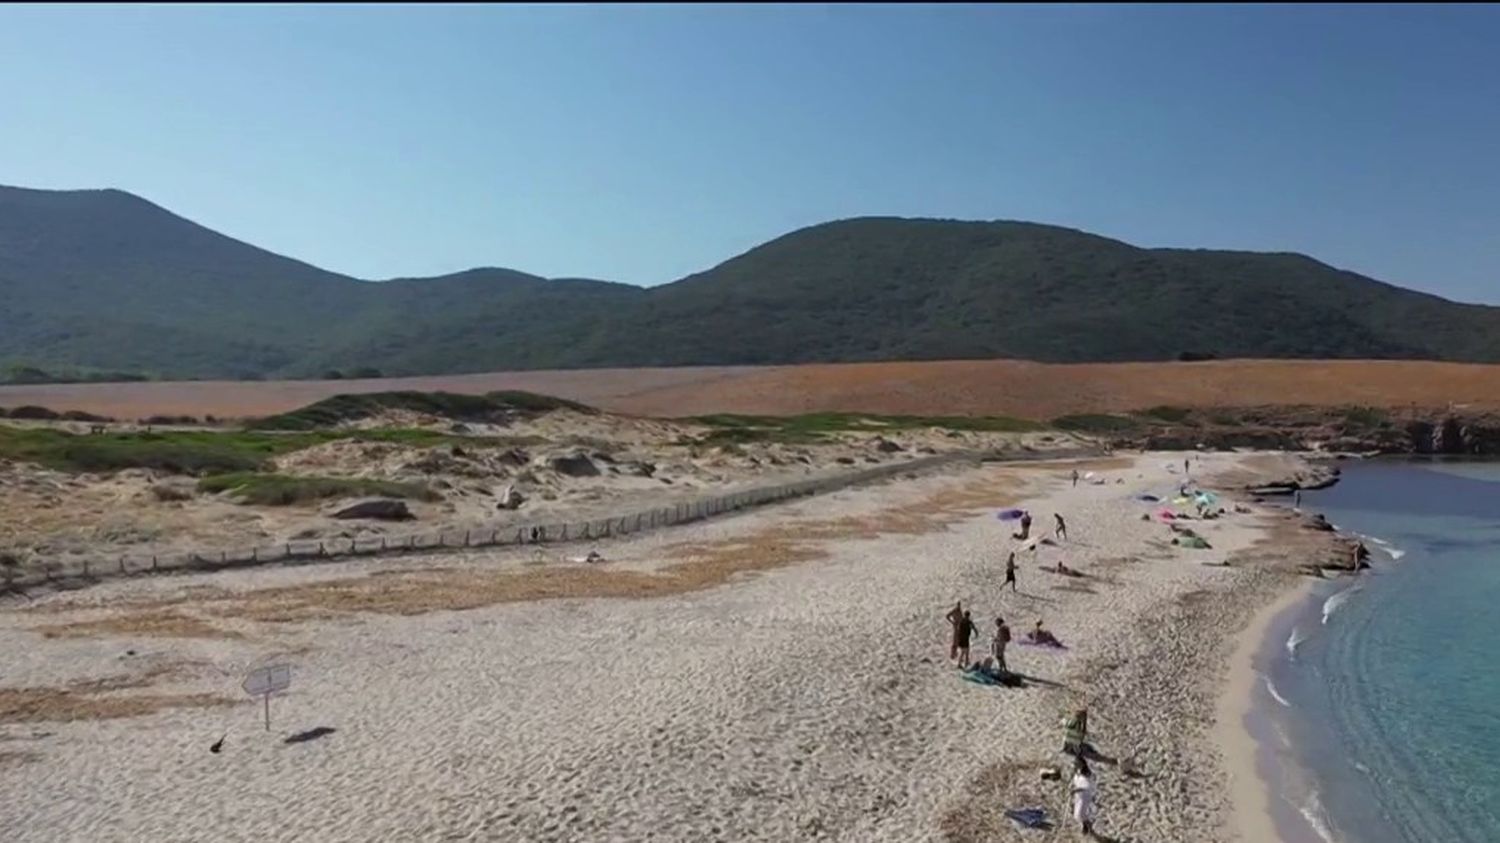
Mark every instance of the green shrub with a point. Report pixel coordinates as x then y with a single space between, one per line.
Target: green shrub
285 490
1097 423
331 412
1173 415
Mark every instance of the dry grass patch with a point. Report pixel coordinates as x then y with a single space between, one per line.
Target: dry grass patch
154 622
99 699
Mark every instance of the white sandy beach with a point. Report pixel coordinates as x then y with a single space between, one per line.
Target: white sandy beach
806 700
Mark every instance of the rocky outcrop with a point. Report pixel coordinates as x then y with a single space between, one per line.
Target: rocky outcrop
380 509
576 464
1320 429
1454 435
510 498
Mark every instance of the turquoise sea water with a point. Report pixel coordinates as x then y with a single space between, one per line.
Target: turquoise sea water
1384 691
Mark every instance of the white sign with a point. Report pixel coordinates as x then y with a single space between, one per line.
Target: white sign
264 681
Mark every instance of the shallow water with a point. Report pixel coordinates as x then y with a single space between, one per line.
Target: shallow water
1389 704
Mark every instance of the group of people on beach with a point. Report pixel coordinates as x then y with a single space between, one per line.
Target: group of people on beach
963 631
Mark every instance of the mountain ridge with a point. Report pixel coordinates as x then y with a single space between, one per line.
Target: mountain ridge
105 279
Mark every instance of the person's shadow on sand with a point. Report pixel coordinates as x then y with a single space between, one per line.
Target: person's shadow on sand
309 735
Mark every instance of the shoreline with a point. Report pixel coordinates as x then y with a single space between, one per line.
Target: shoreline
1250 787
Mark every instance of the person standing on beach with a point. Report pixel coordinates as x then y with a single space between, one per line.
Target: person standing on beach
1076 732
1061 531
1025 527
1082 791
1297 499
997 644
1075 478
1010 572
963 630
954 617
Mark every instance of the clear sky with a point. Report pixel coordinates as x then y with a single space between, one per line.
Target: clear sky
644 143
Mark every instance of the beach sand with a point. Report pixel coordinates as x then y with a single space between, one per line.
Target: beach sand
779 675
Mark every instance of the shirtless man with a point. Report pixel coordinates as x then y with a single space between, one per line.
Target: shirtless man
963 630
1061 530
997 644
1010 572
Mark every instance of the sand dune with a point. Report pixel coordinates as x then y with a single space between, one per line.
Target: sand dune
984 387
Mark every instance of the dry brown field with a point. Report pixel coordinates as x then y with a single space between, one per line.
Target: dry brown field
963 387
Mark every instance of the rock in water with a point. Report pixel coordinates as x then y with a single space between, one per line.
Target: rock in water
380 509
576 464
886 446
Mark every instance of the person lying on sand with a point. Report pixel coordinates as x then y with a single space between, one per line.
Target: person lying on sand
1060 568
1038 635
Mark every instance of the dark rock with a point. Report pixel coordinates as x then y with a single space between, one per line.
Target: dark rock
638 469
510 498
601 456
515 458
845 461
886 446
1318 522
574 465
381 509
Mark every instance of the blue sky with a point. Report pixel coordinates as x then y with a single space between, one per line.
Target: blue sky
644 143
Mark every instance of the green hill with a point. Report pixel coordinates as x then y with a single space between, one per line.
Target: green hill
105 281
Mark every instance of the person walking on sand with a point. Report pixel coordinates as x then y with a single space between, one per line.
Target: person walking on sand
1010 572
1082 791
1075 478
1061 530
997 644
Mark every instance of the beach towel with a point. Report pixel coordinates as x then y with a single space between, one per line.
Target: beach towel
1167 515
1011 514
1028 818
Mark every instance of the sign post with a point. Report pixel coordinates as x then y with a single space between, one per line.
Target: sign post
265 681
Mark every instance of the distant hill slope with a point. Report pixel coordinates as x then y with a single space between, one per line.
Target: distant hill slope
106 280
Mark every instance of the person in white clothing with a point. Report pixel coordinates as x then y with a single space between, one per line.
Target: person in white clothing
1083 797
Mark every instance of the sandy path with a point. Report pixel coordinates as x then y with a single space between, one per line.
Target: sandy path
810 702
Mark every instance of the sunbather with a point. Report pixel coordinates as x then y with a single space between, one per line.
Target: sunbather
1038 635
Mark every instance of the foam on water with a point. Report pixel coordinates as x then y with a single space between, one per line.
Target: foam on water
1333 603
1275 695
1294 641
